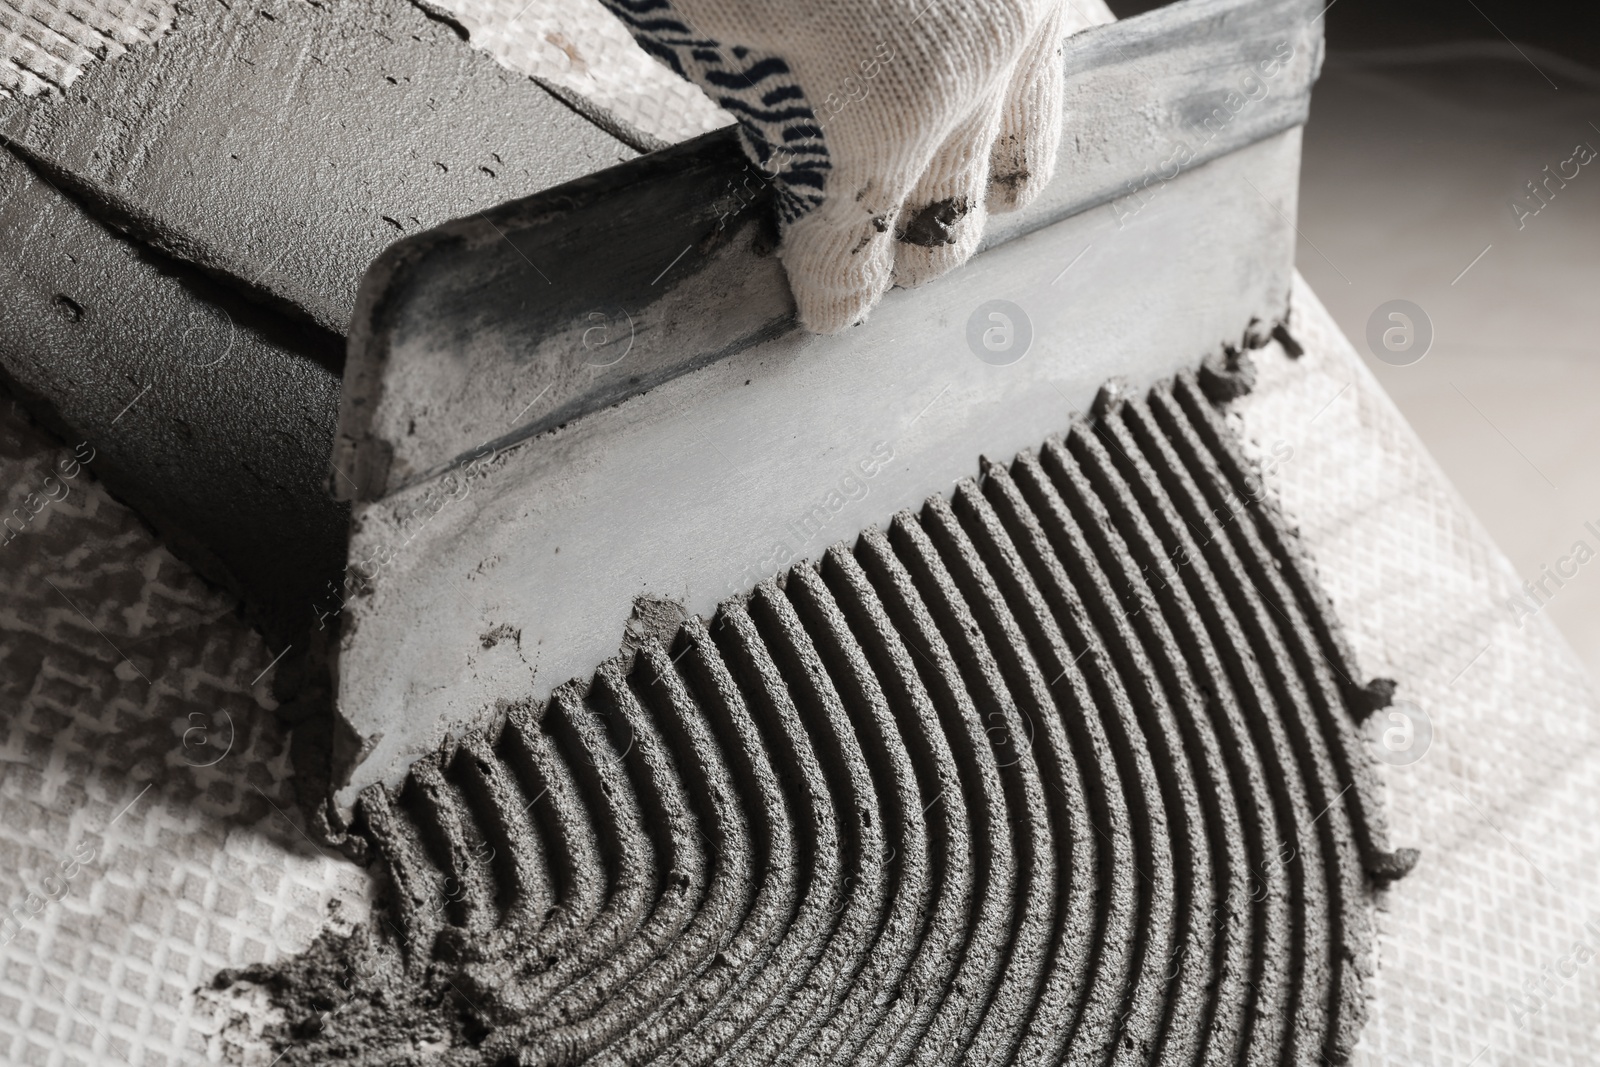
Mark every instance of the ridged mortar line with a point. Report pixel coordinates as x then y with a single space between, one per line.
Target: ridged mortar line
1339 697
1144 645
1080 459
654 693
1319 843
1077 978
626 746
816 815
982 791
1087 793
915 995
411 874
633 863
522 868
1019 945
485 961
1115 667
1047 482
436 811
861 820
1297 568
906 863
1344 772
1030 644
706 1017
684 742
571 839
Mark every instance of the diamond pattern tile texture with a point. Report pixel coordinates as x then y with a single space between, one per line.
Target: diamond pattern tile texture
580 45
145 833
46 44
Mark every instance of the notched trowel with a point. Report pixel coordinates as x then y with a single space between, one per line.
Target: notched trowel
598 394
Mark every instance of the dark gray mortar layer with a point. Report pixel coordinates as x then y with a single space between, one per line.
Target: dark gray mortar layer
1059 769
211 416
184 232
283 145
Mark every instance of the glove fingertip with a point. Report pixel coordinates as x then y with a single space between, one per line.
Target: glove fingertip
837 273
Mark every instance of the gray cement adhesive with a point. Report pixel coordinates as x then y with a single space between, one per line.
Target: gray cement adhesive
1061 768
282 146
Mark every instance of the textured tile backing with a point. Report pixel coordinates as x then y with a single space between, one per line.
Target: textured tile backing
144 841
45 46
1486 953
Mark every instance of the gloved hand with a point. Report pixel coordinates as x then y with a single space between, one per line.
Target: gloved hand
890 128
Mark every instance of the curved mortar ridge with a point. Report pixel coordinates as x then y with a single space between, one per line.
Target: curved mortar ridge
1064 768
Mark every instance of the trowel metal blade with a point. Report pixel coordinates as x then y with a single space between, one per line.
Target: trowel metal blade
598 393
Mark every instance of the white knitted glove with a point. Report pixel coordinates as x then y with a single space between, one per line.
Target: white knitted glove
889 128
